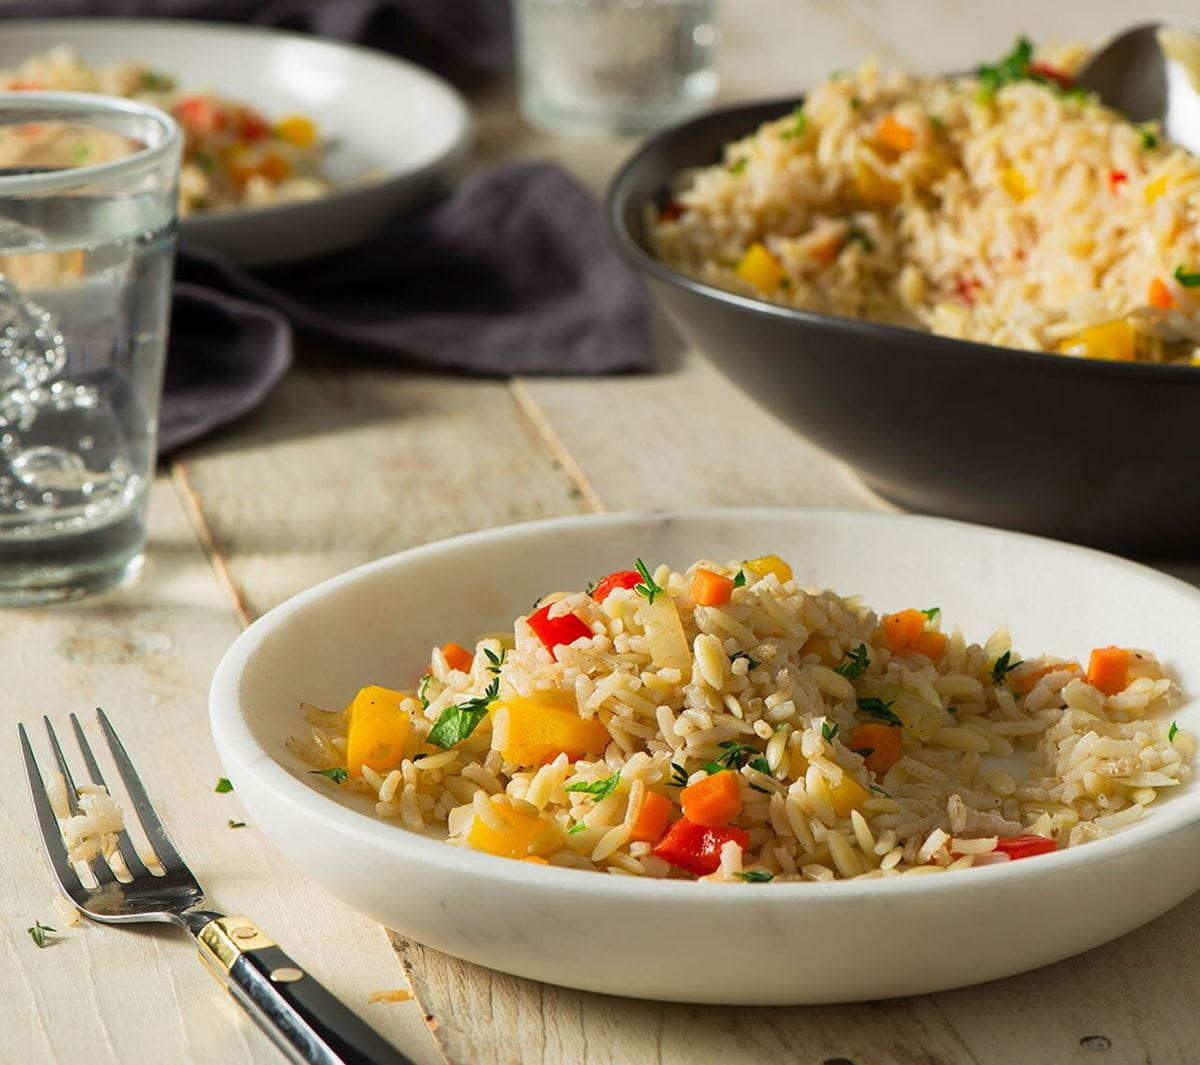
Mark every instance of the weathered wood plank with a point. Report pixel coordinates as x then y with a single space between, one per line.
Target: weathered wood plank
103 995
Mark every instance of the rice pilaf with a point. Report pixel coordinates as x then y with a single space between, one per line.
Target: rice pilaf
1003 207
724 723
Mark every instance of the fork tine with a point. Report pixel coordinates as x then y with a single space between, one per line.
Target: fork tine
52 839
133 861
63 768
156 833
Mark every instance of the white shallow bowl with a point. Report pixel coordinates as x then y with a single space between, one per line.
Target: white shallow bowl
744 943
389 121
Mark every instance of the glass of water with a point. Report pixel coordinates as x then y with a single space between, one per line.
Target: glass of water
87 230
614 66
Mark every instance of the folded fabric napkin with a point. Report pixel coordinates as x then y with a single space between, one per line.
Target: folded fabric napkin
512 273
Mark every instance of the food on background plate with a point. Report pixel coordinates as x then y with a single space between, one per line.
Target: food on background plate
1006 207
724 723
234 156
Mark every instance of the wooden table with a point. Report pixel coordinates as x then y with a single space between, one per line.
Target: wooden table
350 460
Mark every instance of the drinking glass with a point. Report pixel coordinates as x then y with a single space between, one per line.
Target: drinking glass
88 189
614 66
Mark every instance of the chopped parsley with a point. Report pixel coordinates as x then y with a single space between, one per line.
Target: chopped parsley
495 661
598 789
855 103
1149 137
579 826
1019 65
421 691
864 752
761 764
754 876
937 122
751 663
223 785
739 580
877 788
952 709
648 587
736 754
679 776
338 774
738 166
204 161
153 81
457 722
1171 732
1003 667
878 708
591 589
855 664
932 613
828 731
236 824
799 125
854 234
1187 278
38 933
714 767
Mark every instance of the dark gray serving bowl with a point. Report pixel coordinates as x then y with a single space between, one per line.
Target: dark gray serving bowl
1101 453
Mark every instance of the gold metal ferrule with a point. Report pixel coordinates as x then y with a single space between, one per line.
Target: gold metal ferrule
225 939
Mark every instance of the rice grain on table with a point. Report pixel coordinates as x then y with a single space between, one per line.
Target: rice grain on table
778 681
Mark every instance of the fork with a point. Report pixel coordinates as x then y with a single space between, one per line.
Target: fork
299 1015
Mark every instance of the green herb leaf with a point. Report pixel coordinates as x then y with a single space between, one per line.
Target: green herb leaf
828 731
456 723
854 234
204 161
952 709
864 752
932 613
647 588
738 166
739 580
338 774
755 876
714 767
579 826
153 81
679 776
1004 665
495 661
761 764
751 663
421 692
1171 732
1013 67
855 103
799 125
591 589
1149 137
223 785
879 790
38 932
937 122
879 709
1187 279
236 824
598 789
855 663
736 754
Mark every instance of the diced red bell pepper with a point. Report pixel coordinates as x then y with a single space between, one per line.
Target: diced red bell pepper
199 114
967 289
696 848
1115 178
626 578
1044 70
251 125
671 210
1026 846
555 631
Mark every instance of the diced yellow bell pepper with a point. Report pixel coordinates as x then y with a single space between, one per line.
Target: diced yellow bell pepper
760 268
1155 189
1016 184
538 729
297 130
770 564
848 795
523 828
1115 341
873 187
378 729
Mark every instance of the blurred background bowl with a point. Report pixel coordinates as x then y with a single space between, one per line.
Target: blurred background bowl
1101 453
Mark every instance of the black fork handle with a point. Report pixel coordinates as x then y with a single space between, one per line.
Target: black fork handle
300 1016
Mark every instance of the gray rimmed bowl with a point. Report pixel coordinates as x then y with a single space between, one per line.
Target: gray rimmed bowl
1101 453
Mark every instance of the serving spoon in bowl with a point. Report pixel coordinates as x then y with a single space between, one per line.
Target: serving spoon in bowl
1152 71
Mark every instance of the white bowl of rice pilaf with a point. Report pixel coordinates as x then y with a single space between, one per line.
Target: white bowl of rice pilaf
1020 732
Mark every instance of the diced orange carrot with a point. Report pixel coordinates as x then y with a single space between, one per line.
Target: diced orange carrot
895 134
651 821
901 629
711 589
713 801
1025 683
1160 295
458 657
930 644
1108 669
885 742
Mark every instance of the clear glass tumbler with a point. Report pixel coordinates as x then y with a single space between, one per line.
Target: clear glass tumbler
614 66
88 191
